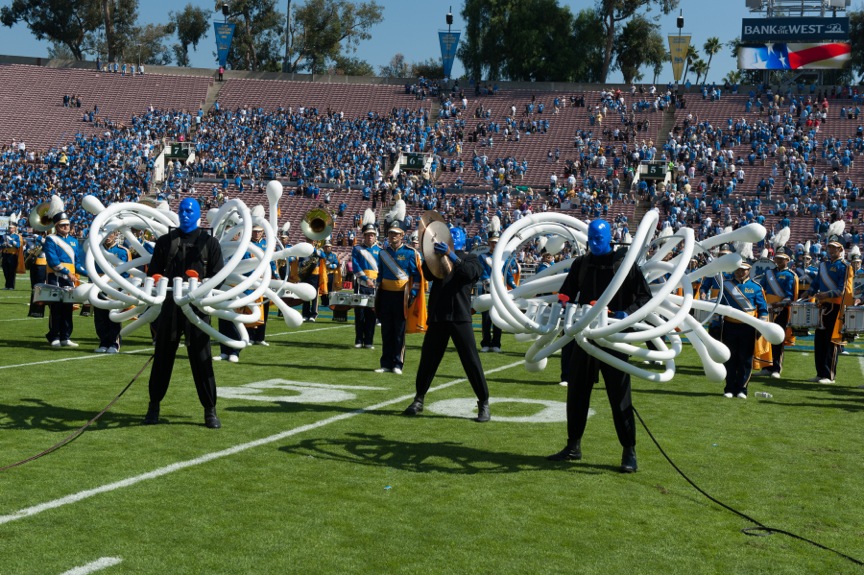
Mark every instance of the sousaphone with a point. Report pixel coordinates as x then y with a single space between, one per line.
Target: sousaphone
433 229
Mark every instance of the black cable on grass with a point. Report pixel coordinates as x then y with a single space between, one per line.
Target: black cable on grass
761 529
74 435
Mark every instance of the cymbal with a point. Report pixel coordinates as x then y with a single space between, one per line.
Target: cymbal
433 229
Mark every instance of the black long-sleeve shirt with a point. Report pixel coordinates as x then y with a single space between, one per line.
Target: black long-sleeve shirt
590 283
450 298
196 250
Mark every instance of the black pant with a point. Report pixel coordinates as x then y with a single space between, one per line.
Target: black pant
491 332
107 330
60 318
37 276
364 319
228 328
172 323
566 355
583 374
391 313
310 308
258 333
435 341
825 351
782 319
740 338
10 268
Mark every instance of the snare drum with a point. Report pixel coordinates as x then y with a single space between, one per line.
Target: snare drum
853 319
50 293
701 315
805 315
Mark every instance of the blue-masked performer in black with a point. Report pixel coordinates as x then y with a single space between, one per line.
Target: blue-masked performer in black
450 317
182 250
588 278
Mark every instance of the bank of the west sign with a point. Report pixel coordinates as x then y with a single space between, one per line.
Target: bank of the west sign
794 29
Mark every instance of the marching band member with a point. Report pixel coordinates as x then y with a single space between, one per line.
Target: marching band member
109 331
491 340
11 246
331 265
283 267
36 263
256 334
833 290
182 250
742 293
318 268
398 272
364 259
858 278
450 317
781 289
547 260
64 257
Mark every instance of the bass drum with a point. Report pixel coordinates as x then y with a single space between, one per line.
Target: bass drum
759 267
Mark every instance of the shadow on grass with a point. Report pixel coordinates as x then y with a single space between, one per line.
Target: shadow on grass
33 413
429 456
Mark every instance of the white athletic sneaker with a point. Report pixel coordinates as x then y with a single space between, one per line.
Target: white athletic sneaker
100 350
775 374
358 345
111 350
221 357
728 395
68 343
485 348
397 371
742 395
383 370
816 379
562 383
495 349
233 358
825 380
369 346
264 343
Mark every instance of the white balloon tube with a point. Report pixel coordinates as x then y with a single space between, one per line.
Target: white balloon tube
291 316
144 319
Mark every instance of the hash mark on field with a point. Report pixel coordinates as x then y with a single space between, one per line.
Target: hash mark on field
93 566
87 493
24 319
861 364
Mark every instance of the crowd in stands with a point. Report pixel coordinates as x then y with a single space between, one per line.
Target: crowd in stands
322 151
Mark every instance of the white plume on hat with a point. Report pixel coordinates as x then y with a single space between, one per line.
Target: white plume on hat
397 213
745 250
854 251
258 211
807 245
286 227
781 238
368 217
665 232
495 225
836 228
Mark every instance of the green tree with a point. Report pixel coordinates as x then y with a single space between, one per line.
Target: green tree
614 13
64 22
700 68
691 56
429 68
148 45
323 29
397 68
350 66
856 38
638 44
711 47
482 50
191 24
258 34
587 43
119 18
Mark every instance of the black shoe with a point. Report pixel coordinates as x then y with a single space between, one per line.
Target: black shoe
152 417
210 419
628 460
416 408
569 453
482 412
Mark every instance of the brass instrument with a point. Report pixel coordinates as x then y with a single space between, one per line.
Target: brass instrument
32 256
42 216
317 224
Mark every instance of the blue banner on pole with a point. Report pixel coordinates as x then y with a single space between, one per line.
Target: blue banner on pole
449 43
224 35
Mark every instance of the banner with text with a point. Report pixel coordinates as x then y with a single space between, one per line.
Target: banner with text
780 56
678 46
449 43
224 35
805 29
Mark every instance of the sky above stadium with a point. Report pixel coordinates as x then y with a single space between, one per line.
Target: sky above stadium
411 27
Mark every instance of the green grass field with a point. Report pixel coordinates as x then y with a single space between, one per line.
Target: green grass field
316 471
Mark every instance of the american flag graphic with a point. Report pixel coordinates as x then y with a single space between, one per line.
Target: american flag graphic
783 56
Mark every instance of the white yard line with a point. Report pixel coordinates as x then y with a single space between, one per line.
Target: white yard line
26 319
180 465
861 364
145 350
94 566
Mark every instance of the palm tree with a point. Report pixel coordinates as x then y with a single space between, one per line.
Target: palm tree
711 47
692 56
733 77
701 69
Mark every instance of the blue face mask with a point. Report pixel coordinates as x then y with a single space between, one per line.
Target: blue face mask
599 237
190 215
458 238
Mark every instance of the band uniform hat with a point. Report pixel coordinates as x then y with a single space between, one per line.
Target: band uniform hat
744 265
61 218
257 228
370 228
396 227
856 258
835 241
328 243
725 249
782 253
493 236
